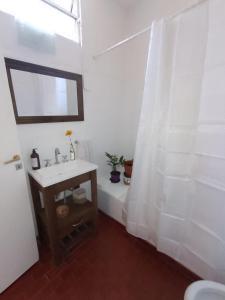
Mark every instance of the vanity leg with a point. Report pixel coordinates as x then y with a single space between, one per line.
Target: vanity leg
50 213
94 197
36 202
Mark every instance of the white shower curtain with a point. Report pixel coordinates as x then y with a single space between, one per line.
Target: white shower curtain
177 196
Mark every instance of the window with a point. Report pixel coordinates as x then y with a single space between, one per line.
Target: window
52 16
69 5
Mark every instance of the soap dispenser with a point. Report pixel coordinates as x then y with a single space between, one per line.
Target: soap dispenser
35 160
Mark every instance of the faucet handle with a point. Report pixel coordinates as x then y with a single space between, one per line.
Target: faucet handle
57 151
47 162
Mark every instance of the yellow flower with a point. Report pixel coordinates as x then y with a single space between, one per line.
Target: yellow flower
68 133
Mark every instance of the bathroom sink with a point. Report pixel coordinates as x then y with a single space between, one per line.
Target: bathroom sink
60 172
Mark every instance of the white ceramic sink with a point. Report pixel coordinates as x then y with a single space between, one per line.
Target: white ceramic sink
58 173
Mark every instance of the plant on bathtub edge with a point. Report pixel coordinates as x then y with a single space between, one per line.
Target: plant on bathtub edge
114 161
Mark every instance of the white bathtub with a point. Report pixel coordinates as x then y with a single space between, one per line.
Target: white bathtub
111 198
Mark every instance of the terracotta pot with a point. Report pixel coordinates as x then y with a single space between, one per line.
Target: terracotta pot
128 165
115 177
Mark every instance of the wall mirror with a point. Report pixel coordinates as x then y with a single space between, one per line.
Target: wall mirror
41 94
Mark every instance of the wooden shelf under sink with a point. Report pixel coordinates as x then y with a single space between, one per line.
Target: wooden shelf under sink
78 214
82 218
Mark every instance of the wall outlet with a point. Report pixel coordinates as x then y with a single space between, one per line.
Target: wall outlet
18 166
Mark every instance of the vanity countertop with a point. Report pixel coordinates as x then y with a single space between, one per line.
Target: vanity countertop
60 172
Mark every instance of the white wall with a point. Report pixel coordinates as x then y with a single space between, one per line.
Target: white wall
113 83
103 23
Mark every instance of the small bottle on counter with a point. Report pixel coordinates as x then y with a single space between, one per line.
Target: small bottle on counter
72 152
35 160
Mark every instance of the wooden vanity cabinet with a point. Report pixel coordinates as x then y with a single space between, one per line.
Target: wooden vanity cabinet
81 220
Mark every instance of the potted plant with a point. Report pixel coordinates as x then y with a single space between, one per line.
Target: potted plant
114 161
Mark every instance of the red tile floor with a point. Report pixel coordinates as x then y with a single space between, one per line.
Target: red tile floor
109 266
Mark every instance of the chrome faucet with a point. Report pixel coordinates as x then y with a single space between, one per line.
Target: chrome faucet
57 152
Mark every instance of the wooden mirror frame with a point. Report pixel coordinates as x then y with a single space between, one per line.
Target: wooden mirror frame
33 68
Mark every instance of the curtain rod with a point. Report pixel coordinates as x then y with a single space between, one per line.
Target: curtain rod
64 11
123 42
146 29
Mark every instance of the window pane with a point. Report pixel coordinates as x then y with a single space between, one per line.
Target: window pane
43 17
66 4
66 26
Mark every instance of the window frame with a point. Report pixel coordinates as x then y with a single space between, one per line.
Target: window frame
63 10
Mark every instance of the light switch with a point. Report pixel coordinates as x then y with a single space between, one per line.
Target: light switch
18 166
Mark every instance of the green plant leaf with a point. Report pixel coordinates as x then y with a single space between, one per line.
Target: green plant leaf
114 160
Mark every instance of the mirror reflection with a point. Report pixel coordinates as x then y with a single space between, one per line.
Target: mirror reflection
42 95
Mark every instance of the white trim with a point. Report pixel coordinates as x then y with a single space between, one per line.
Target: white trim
61 9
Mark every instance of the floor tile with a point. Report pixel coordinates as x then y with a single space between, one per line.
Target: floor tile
111 265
